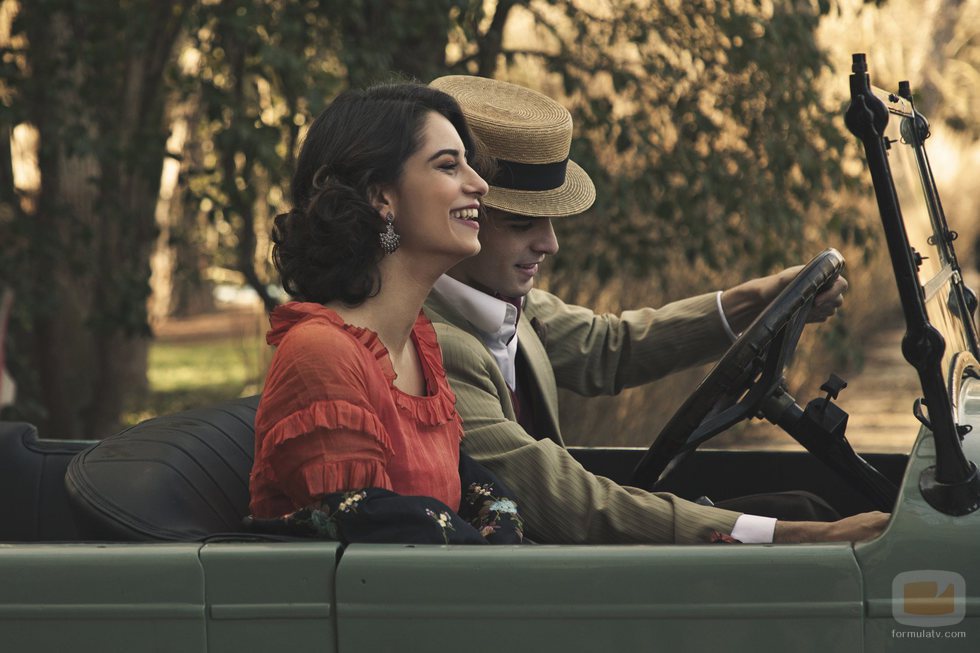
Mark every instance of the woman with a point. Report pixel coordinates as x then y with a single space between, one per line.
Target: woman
357 437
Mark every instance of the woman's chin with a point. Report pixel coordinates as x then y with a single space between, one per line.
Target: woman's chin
468 246
474 249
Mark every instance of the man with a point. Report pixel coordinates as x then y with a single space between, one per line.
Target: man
508 346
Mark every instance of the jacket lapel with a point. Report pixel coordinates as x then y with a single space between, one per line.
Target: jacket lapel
437 309
544 378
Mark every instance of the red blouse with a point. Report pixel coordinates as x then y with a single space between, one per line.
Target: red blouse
330 418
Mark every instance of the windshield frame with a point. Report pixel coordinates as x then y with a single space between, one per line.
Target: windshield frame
953 484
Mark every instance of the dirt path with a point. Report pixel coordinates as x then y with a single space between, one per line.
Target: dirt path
879 398
878 401
234 321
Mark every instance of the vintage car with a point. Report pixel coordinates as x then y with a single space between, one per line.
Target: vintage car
134 543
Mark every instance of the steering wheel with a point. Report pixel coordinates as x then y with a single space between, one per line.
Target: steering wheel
749 373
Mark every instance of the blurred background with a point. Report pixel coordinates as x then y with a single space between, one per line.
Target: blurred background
146 145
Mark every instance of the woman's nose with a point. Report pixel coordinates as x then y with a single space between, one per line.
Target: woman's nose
476 183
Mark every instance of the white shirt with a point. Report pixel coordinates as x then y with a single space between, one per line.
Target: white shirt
494 319
495 322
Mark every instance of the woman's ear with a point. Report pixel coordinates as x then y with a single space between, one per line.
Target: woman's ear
379 198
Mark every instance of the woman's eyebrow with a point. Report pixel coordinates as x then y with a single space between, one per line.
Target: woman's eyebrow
441 152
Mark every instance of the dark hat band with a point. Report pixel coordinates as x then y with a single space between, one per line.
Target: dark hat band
530 176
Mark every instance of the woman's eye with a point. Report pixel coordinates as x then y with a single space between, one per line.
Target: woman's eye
448 165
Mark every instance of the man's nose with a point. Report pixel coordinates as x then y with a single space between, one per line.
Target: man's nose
546 242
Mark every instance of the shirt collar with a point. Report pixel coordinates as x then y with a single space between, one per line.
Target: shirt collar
485 312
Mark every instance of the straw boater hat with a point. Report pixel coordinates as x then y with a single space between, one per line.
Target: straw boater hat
529 135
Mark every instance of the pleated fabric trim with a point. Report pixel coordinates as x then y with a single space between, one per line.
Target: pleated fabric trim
436 408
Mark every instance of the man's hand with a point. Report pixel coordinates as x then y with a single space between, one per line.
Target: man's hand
825 304
856 528
742 303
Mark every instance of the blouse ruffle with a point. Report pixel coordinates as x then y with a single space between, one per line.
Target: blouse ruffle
330 414
322 429
323 477
436 408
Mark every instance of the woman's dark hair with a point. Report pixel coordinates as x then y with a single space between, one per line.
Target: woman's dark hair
327 247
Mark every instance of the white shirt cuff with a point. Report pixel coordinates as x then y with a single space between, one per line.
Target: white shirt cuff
724 320
752 529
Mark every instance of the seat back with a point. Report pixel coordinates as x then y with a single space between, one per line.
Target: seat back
32 483
178 477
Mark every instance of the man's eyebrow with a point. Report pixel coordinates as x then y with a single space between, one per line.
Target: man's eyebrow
438 154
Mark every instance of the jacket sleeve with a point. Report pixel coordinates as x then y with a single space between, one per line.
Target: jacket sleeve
560 501
600 354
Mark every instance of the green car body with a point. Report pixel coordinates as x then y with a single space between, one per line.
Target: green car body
914 588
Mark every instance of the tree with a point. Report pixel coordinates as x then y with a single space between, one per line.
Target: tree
258 67
90 78
706 109
699 121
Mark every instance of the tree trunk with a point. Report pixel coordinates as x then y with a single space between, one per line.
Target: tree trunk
929 95
97 98
183 251
491 43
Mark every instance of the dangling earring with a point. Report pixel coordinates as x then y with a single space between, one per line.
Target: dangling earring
389 239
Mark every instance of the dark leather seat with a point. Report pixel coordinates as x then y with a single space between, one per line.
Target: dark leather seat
32 483
180 477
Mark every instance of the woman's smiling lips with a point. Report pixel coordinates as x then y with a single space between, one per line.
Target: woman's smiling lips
468 216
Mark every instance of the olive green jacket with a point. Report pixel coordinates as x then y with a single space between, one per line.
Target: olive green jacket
572 347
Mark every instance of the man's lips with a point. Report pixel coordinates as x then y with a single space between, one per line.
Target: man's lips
527 269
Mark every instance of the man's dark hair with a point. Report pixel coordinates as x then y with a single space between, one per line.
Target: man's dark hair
327 247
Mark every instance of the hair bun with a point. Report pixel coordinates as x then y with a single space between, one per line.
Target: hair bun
322 178
336 200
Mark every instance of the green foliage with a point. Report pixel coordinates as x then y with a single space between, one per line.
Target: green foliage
699 121
89 78
261 69
408 37
187 374
712 142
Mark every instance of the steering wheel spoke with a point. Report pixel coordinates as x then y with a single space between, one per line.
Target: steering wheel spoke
745 377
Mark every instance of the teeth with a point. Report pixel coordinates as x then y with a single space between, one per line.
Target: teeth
465 214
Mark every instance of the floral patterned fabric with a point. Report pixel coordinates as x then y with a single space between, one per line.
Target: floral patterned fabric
487 515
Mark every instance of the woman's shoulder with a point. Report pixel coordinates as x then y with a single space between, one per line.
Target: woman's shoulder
318 358
314 332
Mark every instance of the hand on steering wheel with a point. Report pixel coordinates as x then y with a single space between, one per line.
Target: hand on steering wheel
745 376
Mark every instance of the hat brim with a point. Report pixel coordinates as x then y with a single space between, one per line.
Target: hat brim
571 198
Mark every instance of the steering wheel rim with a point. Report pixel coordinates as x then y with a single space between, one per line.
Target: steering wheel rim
749 372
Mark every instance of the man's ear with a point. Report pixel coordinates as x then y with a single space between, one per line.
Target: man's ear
380 200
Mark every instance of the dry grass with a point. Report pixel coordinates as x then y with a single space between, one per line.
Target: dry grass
204 360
